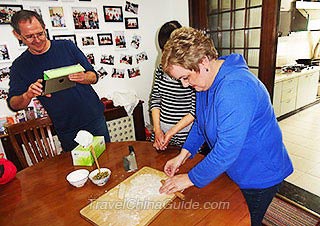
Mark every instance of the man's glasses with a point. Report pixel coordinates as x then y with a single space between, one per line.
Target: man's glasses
40 35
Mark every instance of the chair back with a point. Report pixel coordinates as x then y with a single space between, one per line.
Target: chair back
36 137
123 127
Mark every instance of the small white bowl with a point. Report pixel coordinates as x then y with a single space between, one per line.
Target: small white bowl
78 177
102 181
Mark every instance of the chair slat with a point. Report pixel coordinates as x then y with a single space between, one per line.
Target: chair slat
28 148
45 141
33 145
53 147
18 150
41 147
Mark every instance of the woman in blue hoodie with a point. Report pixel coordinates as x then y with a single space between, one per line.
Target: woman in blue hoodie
234 116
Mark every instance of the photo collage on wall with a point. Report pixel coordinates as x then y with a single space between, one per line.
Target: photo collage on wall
120 49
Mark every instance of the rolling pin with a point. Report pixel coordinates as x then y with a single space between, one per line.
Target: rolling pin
177 193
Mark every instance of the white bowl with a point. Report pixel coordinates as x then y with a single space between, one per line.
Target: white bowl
78 177
102 181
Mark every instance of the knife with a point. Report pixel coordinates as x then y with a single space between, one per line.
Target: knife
129 161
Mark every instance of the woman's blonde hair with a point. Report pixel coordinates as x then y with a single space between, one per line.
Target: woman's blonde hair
186 48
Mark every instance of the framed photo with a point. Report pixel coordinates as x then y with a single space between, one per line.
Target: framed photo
107 59
36 9
105 39
65 37
85 18
4 53
131 7
117 73
57 17
113 13
87 41
134 72
90 58
131 22
7 11
120 40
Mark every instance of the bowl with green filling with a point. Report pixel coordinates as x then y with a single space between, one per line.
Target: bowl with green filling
101 178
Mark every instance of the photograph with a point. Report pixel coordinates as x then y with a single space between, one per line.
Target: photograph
117 73
90 58
107 59
102 73
135 42
4 93
141 57
85 18
126 59
131 23
66 37
105 39
7 11
4 53
113 13
87 41
4 73
131 7
120 40
133 72
36 9
57 17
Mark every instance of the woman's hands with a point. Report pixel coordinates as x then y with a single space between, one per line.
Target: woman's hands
178 182
158 140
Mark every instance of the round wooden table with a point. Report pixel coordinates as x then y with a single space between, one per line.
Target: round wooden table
40 194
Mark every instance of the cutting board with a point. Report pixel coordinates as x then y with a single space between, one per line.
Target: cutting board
135 201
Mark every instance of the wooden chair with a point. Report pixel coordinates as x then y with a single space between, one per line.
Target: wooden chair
36 137
121 126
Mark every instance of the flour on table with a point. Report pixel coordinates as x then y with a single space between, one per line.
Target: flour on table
144 187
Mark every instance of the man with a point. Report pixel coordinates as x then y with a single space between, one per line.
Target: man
71 110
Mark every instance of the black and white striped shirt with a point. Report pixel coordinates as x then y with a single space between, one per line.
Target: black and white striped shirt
173 100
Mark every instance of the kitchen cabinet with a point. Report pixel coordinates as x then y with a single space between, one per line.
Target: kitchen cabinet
288 95
293 91
307 89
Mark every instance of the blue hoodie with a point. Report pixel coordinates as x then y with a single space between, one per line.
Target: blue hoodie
236 118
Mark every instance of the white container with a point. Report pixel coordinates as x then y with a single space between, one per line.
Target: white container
78 178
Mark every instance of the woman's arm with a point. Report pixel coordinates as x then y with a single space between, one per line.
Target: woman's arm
184 122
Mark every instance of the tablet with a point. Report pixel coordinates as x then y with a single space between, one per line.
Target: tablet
57 84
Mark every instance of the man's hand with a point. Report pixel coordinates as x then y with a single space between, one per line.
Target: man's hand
87 77
35 89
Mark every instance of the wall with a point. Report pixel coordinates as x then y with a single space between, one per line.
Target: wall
298 45
151 15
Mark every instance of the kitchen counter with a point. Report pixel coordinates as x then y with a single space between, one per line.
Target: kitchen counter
280 76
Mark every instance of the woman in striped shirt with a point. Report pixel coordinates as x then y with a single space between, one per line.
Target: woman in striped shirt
172 106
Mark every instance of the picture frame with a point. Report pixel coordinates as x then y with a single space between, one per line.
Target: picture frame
105 39
66 37
7 11
88 41
4 53
57 17
85 18
113 13
131 23
131 7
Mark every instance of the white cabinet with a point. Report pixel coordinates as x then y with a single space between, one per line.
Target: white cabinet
288 95
307 89
296 92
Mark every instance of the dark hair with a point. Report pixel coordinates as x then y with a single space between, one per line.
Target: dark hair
165 32
24 15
